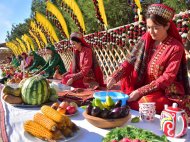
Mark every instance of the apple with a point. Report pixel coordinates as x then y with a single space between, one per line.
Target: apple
64 105
55 105
73 104
71 110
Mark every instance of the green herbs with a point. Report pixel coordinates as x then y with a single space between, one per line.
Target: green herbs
133 133
135 120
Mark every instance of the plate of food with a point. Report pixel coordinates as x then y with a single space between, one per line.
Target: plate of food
49 125
30 138
16 101
130 133
13 101
66 108
13 96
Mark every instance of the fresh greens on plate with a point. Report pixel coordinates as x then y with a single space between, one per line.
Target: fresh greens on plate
132 132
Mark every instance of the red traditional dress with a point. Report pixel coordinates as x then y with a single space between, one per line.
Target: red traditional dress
84 70
159 73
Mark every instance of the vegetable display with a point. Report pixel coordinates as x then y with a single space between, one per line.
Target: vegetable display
108 109
133 133
50 125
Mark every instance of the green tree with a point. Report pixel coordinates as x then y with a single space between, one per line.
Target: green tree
38 5
118 12
177 5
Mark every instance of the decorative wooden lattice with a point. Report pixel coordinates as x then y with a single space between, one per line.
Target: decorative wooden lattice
66 57
109 58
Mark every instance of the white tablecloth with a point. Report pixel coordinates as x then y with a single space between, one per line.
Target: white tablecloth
15 116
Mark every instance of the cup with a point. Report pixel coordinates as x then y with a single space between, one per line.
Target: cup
147 111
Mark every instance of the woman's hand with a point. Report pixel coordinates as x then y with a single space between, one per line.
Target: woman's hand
110 82
57 75
135 95
70 81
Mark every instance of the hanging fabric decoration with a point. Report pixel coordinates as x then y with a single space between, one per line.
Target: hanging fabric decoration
35 38
44 22
28 41
13 47
76 13
102 12
36 29
139 10
55 11
22 45
19 48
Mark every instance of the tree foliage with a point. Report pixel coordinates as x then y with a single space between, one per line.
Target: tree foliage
118 12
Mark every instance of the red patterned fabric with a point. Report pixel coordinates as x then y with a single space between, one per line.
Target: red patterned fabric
158 97
3 134
161 77
160 74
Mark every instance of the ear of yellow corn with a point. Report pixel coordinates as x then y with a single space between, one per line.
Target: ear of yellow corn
37 130
67 120
52 114
45 121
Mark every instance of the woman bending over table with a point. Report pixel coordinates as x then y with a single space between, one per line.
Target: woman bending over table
38 61
84 71
156 69
54 62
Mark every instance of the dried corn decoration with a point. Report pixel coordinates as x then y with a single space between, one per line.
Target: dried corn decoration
45 121
37 130
52 114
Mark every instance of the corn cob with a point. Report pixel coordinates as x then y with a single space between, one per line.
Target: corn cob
45 121
67 120
52 114
37 130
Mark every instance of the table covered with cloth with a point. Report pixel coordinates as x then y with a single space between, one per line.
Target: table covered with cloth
12 118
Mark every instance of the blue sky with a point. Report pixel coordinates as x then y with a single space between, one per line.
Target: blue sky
12 12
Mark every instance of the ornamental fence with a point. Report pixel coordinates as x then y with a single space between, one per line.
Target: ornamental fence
112 46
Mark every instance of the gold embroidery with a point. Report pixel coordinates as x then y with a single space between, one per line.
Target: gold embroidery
147 88
155 70
161 11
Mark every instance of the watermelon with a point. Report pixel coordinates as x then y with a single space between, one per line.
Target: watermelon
35 90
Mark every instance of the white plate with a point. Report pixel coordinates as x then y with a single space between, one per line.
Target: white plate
25 105
31 138
59 87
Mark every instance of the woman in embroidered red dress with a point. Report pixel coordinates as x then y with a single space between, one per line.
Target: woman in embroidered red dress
84 71
156 70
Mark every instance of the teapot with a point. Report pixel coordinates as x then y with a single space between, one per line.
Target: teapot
174 121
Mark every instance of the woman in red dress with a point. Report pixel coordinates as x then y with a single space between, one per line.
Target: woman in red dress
84 71
156 69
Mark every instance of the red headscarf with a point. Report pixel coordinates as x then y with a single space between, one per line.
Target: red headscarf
80 37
